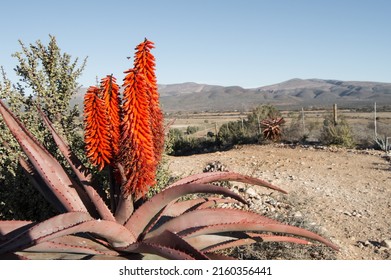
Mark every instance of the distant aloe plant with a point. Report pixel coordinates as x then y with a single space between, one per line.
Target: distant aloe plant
127 137
271 128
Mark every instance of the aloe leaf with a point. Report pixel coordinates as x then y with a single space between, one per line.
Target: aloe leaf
147 211
195 219
43 229
162 251
65 224
72 244
81 172
178 208
252 226
214 242
41 186
10 229
50 170
8 226
172 240
211 221
209 177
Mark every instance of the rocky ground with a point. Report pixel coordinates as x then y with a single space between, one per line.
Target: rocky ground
343 194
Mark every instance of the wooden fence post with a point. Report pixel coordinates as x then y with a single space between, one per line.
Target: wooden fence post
335 114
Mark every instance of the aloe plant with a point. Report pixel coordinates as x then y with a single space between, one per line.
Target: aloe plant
126 136
272 128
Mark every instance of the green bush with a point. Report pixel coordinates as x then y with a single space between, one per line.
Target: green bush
339 134
50 79
192 129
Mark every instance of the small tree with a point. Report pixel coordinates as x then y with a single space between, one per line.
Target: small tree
48 79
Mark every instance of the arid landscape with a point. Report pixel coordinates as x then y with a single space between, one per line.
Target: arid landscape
344 193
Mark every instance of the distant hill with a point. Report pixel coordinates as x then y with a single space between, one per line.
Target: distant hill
295 93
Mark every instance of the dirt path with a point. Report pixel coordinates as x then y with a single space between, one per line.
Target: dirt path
346 192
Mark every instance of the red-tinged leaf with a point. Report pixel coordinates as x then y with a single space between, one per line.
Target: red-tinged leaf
162 251
278 238
43 229
178 208
10 229
214 242
207 217
211 221
209 177
69 223
81 172
270 227
41 186
147 211
172 240
72 244
50 170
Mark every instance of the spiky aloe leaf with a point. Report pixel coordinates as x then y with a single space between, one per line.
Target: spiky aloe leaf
147 211
63 187
46 228
41 186
65 224
72 244
209 177
178 208
269 227
172 240
214 242
211 221
10 229
81 172
162 251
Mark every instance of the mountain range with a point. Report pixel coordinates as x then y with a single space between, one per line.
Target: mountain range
291 94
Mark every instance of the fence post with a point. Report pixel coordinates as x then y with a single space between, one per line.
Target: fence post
375 120
302 119
335 112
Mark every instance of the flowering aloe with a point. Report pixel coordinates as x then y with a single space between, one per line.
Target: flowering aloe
144 62
163 225
137 149
97 133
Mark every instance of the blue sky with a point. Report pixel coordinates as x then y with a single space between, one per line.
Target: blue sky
249 43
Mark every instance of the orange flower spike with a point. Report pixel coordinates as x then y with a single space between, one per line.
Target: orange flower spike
96 135
144 63
110 95
137 149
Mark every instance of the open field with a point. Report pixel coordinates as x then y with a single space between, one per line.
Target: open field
361 123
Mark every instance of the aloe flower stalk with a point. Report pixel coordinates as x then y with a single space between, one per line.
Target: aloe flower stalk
144 63
97 137
137 150
112 101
